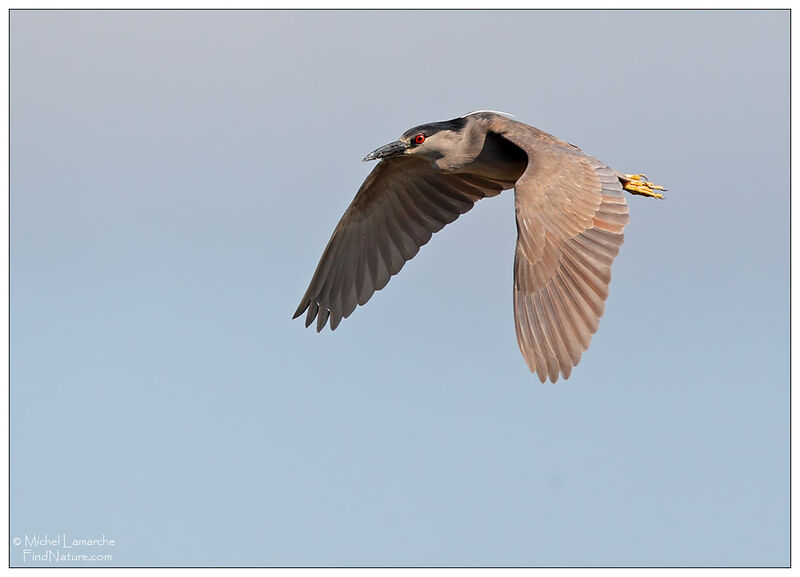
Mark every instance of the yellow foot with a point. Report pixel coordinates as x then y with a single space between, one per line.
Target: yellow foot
638 184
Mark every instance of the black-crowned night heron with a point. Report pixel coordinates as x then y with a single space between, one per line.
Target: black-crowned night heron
571 212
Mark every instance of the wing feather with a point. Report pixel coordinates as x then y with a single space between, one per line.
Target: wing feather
401 204
571 214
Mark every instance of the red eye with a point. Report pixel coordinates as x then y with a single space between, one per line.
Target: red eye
419 138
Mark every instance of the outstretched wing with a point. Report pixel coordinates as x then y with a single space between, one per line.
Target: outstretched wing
399 206
571 213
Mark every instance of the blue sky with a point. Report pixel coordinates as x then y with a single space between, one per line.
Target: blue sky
174 179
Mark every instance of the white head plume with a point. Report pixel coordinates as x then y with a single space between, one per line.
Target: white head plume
492 111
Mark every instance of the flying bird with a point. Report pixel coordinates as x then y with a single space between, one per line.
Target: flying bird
570 210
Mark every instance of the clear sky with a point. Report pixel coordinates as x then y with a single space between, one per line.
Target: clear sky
174 179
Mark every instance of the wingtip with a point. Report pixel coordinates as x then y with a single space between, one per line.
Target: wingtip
322 318
301 308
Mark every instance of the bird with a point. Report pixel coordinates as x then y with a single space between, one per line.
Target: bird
570 209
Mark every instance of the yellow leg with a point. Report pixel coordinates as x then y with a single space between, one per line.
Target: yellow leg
638 184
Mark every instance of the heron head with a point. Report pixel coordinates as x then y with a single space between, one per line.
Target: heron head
433 141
